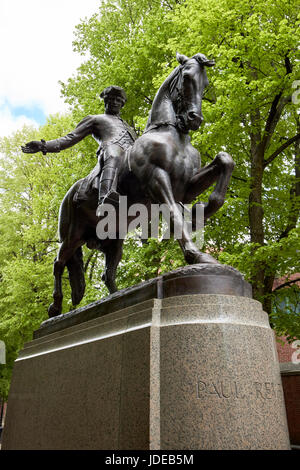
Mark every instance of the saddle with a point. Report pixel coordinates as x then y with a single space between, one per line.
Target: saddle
88 185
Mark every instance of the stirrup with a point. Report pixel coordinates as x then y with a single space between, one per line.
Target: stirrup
112 197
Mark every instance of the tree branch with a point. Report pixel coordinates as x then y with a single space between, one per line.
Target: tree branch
287 284
280 149
275 112
210 100
148 99
295 189
90 256
239 178
288 65
276 109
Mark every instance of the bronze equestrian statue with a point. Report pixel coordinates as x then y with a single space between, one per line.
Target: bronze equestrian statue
160 167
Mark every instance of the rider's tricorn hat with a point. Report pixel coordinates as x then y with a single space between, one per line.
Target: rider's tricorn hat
114 90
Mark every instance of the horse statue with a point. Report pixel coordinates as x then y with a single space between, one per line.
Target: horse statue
162 167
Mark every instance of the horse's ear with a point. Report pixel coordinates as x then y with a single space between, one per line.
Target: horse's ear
181 58
203 60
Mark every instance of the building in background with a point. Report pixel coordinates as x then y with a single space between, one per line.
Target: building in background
289 359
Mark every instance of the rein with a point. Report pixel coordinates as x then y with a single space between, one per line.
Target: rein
174 89
160 124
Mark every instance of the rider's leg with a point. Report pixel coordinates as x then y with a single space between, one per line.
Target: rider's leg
108 178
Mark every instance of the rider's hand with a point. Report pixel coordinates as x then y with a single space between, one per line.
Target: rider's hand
33 147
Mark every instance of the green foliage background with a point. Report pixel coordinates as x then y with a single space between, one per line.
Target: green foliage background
248 111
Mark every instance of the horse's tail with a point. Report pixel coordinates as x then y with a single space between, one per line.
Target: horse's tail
76 276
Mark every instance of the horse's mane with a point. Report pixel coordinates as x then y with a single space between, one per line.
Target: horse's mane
170 86
174 83
169 94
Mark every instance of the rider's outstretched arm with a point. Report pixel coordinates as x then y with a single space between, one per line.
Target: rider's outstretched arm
84 128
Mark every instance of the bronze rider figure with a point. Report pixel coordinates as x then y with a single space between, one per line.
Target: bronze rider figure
114 137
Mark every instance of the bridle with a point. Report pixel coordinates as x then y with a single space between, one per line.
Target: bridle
176 94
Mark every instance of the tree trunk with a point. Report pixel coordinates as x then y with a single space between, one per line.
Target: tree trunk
256 212
291 224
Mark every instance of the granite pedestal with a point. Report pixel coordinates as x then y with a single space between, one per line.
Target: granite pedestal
167 364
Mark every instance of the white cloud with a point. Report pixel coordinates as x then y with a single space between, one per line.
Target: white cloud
10 123
36 50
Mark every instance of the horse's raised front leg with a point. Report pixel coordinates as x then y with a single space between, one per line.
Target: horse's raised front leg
220 170
160 189
113 255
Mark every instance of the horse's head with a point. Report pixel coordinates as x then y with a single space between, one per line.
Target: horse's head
186 90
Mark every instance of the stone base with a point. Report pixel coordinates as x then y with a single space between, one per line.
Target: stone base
194 371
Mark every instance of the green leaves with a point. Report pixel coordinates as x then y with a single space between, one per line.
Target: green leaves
31 190
248 112
125 46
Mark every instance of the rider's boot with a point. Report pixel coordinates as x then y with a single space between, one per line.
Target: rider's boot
107 189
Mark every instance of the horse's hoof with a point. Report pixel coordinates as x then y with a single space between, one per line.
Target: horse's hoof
112 288
53 311
226 160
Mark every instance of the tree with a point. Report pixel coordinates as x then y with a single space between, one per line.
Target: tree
126 45
249 110
255 118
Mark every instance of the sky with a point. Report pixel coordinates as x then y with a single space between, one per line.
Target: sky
36 52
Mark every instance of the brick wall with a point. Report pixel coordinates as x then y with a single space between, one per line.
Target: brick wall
290 378
291 388
284 349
